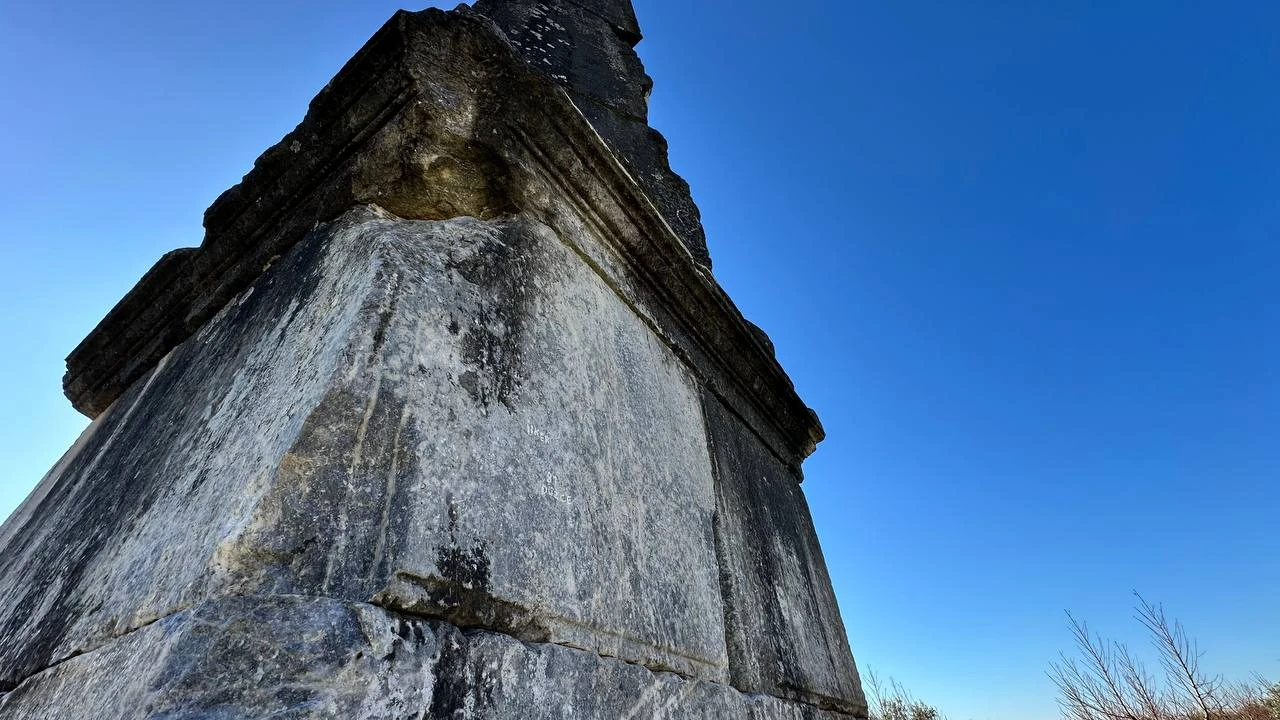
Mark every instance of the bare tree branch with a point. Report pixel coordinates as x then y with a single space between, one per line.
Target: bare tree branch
1180 657
1105 680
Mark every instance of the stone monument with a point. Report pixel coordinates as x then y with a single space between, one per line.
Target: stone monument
445 418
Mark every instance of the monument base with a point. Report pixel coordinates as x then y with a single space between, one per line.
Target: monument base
304 657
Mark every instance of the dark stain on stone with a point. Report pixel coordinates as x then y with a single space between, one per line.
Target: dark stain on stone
470 382
460 591
199 481
459 683
335 483
492 343
466 569
460 595
291 697
385 315
453 514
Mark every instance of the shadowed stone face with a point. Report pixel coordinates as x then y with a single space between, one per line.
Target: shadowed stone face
582 49
619 13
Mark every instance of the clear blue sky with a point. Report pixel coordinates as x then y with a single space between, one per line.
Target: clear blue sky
1022 258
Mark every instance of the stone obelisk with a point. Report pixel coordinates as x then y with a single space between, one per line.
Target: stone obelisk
445 418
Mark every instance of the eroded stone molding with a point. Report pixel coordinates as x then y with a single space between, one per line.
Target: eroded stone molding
434 118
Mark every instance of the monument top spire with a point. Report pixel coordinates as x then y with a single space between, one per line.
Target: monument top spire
586 47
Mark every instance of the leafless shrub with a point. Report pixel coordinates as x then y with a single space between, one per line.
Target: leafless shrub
1107 681
891 701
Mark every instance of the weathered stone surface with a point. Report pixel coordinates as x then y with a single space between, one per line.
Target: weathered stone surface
580 48
586 46
457 418
445 418
293 657
248 657
438 117
782 624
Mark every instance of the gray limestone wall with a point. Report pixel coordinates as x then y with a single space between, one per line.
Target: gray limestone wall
457 420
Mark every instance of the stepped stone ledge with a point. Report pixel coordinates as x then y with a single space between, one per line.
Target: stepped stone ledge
446 417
